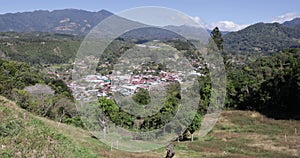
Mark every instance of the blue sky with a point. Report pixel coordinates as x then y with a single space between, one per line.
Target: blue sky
227 14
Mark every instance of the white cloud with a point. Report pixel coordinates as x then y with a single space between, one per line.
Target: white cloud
227 26
222 25
285 17
196 19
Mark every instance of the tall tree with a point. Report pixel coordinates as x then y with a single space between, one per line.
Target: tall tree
217 37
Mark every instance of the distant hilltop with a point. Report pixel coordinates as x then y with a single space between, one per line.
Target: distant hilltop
68 21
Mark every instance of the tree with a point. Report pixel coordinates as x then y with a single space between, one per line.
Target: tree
195 125
217 37
142 97
269 85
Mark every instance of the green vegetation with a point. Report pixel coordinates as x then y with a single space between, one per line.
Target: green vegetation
142 97
53 99
263 38
39 48
270 85
217 37
237 134
25 135
123 119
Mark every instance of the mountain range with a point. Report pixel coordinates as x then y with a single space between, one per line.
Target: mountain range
261 37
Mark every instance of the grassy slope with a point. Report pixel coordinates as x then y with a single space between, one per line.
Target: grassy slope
25 135
237 134
249 134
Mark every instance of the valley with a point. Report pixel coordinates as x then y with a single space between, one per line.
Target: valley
52 97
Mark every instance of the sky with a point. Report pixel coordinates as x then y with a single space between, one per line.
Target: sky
228 15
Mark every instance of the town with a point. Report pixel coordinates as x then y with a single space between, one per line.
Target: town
107 82
127 85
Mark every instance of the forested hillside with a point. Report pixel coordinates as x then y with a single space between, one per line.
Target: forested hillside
263 38
271 85
39 48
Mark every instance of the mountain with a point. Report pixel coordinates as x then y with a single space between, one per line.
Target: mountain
74 21
70 21
295 23
262 38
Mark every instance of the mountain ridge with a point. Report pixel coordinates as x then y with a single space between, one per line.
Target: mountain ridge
68 21
295 23
104 13
265 38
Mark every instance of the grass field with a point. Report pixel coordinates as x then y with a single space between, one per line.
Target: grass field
237 134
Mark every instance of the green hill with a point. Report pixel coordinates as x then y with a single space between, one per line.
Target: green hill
25 135
263 38
237 134
39 48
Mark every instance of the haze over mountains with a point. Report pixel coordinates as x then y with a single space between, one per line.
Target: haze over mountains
261 37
